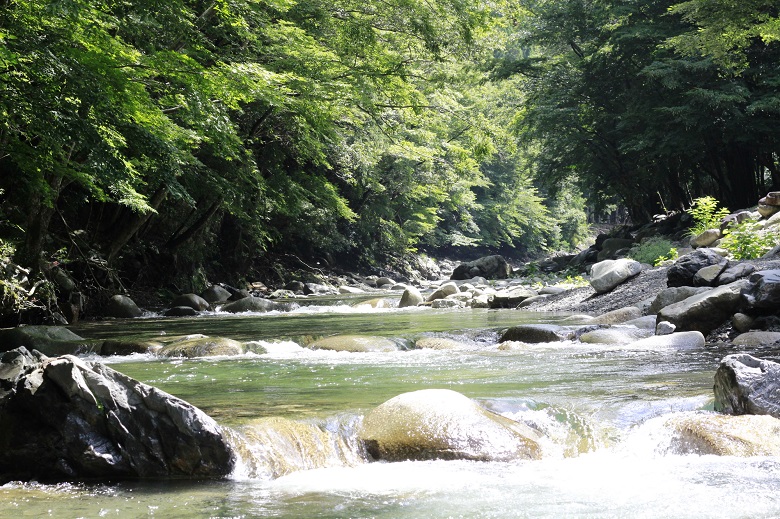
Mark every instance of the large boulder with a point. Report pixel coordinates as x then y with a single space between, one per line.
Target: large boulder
747 385
706 311
723 435
764 289
444 424
122 307
489 267
49 340
250 304
215 294
608 274
447 289
66 419
612 246
682 272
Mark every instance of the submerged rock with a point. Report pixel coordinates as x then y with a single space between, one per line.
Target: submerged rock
65 419
444 424
535 333
250 304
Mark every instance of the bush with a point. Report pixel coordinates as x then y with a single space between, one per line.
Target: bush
706 215
653 251
749 241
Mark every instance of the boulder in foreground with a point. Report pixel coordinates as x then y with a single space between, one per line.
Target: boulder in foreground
65 419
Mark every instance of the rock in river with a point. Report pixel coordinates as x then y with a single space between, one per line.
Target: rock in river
444 424
747 385
65 419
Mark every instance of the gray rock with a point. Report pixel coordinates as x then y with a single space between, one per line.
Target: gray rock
664 328
344 289
742 322
122 307
646 322
706 238
735 272
250 304
705 312
194 301
747 385
49 340
410 297
614 335
443 424
447 303
510 298
215 294
673 341
381 282
531 300
608 274
724 435
447 289
618 316
295 286
535 333
764 289
490 267
756 338
180 311
354 343
67 419
708 276
670 296
611 246
683 270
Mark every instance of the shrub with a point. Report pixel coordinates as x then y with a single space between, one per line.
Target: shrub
653 251
706 215
749 241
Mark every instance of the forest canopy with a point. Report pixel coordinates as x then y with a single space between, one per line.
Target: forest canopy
217 136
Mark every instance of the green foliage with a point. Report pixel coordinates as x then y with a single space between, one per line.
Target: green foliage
706 215
653 251
749 241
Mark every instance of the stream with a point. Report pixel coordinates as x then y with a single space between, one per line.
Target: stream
295 411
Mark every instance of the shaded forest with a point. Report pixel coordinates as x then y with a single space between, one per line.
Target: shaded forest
170 143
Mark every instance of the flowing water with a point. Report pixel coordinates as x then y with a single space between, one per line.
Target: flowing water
294 412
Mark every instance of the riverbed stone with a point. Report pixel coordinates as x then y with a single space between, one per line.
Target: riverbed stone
128 347
734 272
618 316
747 385
764 289
250 304
742 322
708 276
756 338
706 238
67 419
682 272
443 291
535 333
355 343
202 347
665 328
444 424
723 435
123 307
180 311
608 274
614 335
706 311
510 298
611 247
673 295
194 301
346 289
447 303
439 343
490 267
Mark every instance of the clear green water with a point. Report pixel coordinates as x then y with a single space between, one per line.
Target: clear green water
599 405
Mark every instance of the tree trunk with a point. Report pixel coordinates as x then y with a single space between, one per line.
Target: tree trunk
42 208
136 222
179 239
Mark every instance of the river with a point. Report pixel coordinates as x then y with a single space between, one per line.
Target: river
607 453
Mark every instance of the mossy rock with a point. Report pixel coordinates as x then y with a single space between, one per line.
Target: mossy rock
202 347
52 341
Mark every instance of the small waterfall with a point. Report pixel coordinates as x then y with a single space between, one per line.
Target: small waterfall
272 447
